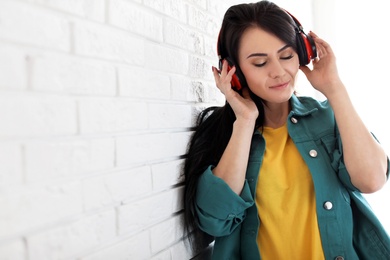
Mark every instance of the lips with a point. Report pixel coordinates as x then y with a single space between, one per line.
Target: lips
279 86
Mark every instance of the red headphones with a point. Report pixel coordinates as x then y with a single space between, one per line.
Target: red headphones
306 50
305 44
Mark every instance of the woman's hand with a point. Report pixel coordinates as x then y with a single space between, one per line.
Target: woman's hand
324 75
243 106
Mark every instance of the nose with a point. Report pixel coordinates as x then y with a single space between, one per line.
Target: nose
276 69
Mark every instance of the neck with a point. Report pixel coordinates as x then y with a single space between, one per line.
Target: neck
275 115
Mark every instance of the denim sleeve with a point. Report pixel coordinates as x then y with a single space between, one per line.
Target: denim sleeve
219 209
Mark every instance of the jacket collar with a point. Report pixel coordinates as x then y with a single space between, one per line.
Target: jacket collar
299 108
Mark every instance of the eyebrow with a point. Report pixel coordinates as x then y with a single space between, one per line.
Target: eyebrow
264 54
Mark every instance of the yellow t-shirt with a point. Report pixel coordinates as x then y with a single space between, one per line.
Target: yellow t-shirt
286 202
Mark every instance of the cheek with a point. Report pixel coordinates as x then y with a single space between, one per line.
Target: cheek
254 78
252 74
257 84
292 69
295 64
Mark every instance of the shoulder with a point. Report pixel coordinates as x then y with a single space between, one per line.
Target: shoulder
310 102
305 105
317 114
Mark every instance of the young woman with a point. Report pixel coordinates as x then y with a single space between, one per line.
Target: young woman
271 175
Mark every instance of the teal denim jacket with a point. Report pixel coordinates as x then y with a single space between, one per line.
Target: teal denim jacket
348 228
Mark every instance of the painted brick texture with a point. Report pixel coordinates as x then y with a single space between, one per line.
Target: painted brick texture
97 101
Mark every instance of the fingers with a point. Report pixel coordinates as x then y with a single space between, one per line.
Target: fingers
225 69
223 77
215 73
322 46
313 35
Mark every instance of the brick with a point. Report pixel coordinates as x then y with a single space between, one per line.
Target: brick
185 89
11 168
114 188
172 8
29 25
37 115
200 3
72 239
166 254
213 94
68 158
197 91
169 116
66 74
210 49
136 247
181 250
166 234
142 83
14 250
136 19
13 68
163 58
200 68
26 208
203 21
181 36
106 115
180 86
105 42
218 8
167 174
137 215
151 147
90 9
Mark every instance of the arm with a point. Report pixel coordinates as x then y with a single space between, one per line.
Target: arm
233 163
364 158
232 166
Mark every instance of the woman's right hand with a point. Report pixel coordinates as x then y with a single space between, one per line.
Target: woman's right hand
243 106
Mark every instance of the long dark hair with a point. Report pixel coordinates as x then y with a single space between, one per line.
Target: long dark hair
214 125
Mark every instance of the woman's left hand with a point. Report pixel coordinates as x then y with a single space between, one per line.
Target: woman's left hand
324 75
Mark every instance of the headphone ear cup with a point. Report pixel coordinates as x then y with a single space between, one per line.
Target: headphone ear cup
306 48
236 82
302 51
310 47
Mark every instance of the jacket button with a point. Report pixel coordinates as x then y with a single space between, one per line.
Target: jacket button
339 258
294 120
328 206
313 153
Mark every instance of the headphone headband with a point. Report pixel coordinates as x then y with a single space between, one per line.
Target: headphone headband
307 50
298 25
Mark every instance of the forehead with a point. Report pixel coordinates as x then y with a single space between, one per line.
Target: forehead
255 39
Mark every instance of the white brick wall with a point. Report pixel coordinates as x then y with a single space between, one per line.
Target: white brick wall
97 99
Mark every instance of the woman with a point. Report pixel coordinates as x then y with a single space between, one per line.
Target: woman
272 175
